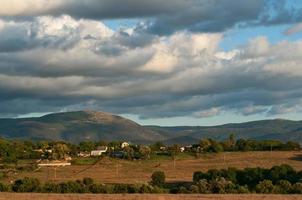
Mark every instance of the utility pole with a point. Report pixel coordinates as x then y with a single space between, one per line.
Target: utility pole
174 162
117 169
55 175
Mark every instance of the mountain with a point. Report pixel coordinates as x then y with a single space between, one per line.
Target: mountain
278 129
77 126
89 125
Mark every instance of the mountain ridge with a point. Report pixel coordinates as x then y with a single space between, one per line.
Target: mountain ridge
78 126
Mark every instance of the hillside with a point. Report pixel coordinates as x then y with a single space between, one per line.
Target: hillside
76 127
90 125
278 129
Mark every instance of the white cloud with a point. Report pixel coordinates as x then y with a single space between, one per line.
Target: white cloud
294 29
28 7
207 113
63 62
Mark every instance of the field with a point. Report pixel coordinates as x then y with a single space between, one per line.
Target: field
8 196
109 170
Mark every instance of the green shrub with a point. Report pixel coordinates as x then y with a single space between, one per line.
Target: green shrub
88 181
4 188
51 188
158 178
265 187
146 189
283 187
297 188
120 188
26 185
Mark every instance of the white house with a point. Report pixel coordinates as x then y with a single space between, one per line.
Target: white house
84 154
99 151
125 144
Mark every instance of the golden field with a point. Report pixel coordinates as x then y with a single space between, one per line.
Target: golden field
109 170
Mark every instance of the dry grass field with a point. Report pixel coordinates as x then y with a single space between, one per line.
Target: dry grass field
8 196
123 171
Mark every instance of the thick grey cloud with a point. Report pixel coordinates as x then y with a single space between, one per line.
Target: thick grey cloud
70 64
165 17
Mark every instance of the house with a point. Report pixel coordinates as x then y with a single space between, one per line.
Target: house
124 144
162 148
99 151
84 154
68 158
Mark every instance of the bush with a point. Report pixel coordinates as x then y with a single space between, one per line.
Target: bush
203 187
120 188
26 185
145 189
4 188
158 178
283 187
297 188
88 181
100 189
265 187
219 186
51 188
194 189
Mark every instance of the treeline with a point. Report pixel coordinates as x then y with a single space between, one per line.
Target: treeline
210 145
281 179
13 150
87 185
277 180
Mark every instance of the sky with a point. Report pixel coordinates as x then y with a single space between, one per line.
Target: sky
172 62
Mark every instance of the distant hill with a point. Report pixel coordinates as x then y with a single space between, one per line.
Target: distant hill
77 126
89 125
278 129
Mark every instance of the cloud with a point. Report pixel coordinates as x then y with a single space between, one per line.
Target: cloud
207 113
294 29
70 64
164 17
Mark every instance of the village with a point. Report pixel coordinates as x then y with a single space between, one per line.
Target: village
125 150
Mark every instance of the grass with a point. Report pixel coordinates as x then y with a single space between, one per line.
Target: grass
84 161
108 170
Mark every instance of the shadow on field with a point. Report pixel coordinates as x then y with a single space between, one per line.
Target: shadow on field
176 184
297 157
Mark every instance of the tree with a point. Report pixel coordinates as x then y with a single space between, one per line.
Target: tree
215 147
229 144
87 146
156 146
265 187
284 187
297 188
158 178
204 144
26 185
129 152
144 151
59 151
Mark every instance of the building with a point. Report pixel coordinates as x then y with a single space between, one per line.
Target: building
99 151
84 154
125 144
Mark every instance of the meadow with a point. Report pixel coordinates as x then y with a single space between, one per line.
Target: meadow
108 170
